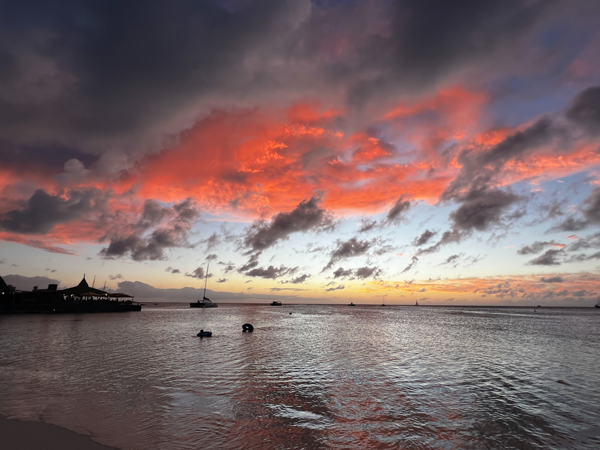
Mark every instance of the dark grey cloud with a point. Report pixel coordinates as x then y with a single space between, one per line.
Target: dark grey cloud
426 41
556 279
340 272
452 260
212 241
360 273
366 272
367 225
583 257
536 247
43 211
585 243
398 210
482 209
590 210
270 272
413 261
211 257
141 245
348 249
76 72
307 216
222 280
552 257
172 270
251 264
335 288
424 238
585 110
229 267
116 277
198 273
300 279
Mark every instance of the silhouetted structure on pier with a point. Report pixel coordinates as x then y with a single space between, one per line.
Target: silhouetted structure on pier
79 299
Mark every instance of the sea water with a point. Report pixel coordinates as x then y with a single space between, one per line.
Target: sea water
331 377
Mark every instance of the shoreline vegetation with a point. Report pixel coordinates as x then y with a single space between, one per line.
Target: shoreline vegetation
32 435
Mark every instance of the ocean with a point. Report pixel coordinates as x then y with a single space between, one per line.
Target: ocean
310 377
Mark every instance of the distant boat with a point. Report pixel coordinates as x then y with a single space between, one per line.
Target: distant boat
351 304
274 303
204 333
597 305
416 303
206 302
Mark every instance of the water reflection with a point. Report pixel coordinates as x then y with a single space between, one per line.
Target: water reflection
324 377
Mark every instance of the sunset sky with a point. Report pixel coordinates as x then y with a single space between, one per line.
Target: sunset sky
310 151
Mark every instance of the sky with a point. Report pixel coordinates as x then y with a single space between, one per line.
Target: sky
319 151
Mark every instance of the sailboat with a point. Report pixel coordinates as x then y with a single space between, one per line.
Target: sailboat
206 302
597 305
416 303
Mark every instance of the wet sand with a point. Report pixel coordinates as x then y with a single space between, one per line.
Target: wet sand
25 435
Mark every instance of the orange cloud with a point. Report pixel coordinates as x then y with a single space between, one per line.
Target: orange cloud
256 161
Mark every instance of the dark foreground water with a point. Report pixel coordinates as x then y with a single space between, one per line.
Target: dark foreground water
331 377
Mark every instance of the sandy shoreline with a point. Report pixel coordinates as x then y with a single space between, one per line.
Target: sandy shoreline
26 435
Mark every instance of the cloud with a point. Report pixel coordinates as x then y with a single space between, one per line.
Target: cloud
43 211
270 272
335 288
305 217
480 209
537 247
360 273
300 279
556 279
198 273
413 261
141 246
116 277
423 238
367 225
397 211
550 257
348 249
591 214
212 241
585 110
366 272
452 260
340 272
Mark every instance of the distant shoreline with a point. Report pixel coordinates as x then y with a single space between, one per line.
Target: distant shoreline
32 435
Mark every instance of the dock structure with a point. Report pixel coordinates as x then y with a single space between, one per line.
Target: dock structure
78 299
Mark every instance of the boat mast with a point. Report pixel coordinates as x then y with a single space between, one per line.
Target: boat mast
205 281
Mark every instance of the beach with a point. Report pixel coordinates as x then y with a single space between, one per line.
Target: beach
28 435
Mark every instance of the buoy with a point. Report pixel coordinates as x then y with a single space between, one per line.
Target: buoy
247 327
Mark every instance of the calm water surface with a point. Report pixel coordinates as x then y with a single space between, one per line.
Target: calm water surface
331 377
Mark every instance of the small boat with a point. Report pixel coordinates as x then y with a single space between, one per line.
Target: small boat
206 302
597 305
351 304
204 333
416 303
273 303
